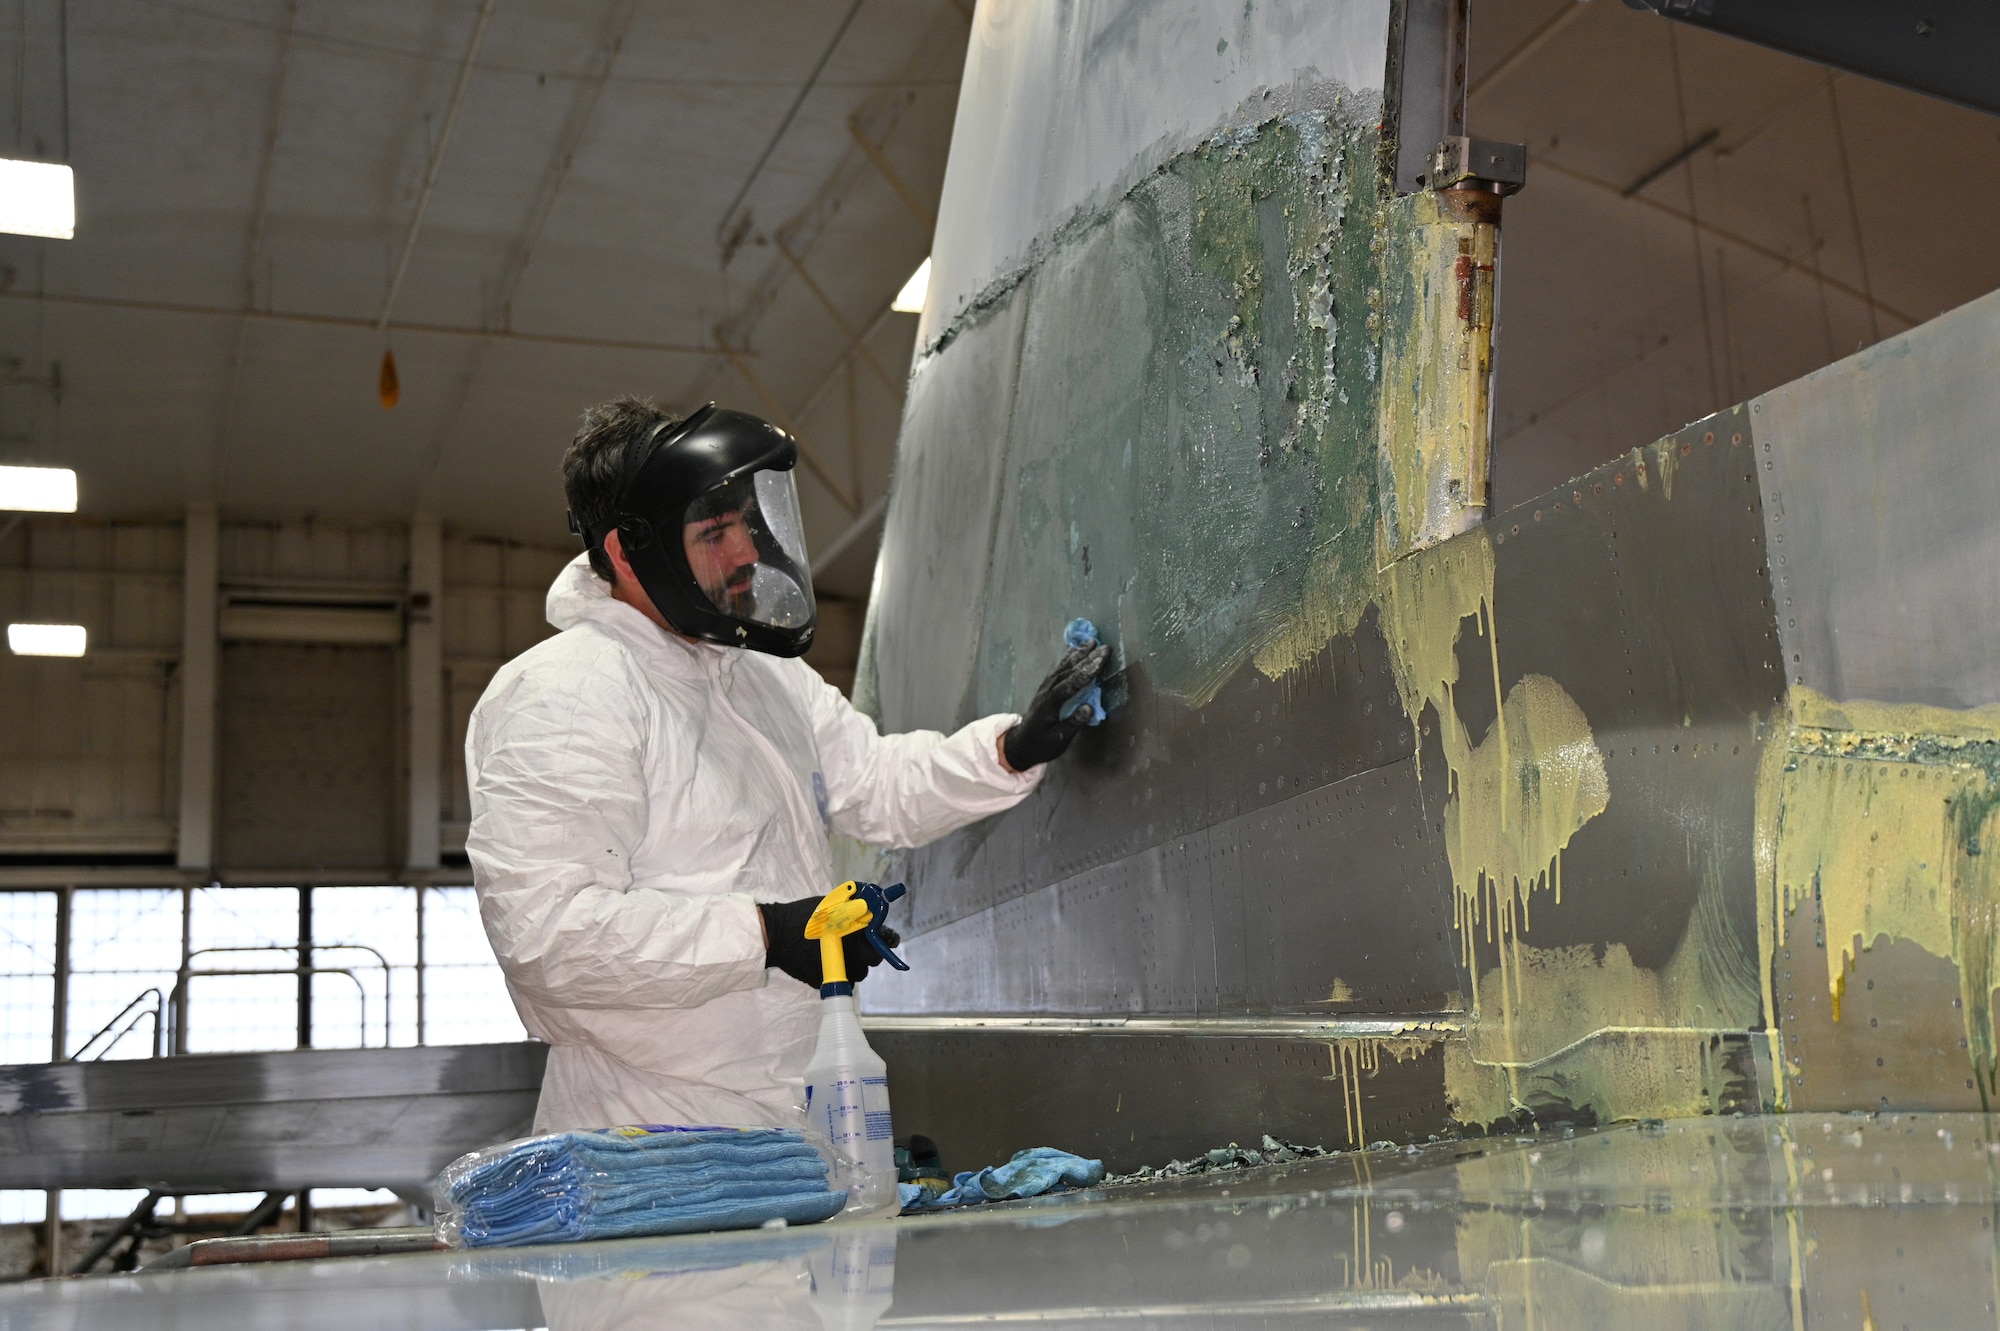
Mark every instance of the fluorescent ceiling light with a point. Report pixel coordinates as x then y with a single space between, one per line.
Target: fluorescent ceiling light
46 639
38 489
37 199
910 300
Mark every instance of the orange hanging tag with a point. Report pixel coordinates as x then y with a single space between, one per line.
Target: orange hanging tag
391 387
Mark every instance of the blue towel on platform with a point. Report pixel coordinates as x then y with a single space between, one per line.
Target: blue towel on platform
624 1182
1029 1174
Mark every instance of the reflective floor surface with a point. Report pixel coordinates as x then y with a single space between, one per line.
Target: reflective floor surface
1819 1221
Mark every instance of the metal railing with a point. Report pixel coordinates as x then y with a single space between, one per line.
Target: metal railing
180 1001
130 1015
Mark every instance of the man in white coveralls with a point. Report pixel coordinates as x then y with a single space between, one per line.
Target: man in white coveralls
652 788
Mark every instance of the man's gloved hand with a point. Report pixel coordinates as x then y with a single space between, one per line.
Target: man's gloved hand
787 948
1042 733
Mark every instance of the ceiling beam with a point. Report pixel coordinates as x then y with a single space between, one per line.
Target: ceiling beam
582 112
1569 13
437 160
854 341
1731 237
339 321
729 235
890 174
814 463
274 123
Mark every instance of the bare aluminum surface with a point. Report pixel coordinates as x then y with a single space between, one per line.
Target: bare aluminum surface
1645 596
1283 908
1189 837
1144 1100
1881 496
244 1122
1900 1040
937 537
1180 876
1799 1221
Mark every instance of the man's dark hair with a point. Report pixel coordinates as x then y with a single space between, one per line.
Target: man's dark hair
594 464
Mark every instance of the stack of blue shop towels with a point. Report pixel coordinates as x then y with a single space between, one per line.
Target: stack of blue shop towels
622 1182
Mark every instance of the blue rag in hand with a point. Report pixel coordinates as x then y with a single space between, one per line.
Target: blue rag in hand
1029 1174
1083 633
624 1182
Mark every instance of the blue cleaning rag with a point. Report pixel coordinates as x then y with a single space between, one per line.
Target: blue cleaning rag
1029 1174
624 1182
1083 633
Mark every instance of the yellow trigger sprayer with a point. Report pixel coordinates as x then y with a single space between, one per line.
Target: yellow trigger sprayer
847 1083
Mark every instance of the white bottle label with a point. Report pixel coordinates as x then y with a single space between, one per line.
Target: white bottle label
840 1107
875 1108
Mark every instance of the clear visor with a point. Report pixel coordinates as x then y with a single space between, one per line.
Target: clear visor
747 550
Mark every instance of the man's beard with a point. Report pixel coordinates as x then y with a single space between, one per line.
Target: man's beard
736 598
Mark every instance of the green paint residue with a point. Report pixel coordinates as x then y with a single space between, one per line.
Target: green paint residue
1890 815
1191 456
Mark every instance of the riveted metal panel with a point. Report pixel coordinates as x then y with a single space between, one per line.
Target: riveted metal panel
1882 494
1899 1040
1641 589
1167 771
1144 1100
1328 901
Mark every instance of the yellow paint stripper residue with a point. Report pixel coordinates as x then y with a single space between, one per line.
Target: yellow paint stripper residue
1424 599
1667 457
1898 724
1517 795
1437 283
1891 821
1631 1053
1772 757
1331 607
1352 1058
1521 794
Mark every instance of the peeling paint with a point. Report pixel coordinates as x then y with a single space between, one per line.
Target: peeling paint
1191 453
1437 303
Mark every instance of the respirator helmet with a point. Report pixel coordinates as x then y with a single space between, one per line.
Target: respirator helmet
708 517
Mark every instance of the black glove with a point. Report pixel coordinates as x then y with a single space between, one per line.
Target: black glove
787 948
1042 734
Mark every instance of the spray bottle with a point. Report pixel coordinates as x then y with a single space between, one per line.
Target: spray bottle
847 1083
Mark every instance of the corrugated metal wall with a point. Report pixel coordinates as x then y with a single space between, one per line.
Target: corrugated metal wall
89 749
312 762
307 756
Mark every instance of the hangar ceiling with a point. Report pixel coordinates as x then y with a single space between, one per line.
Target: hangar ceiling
250 174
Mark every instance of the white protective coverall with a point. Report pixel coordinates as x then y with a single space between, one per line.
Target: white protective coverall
633 794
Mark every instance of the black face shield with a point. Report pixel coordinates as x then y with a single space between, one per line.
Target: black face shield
708 517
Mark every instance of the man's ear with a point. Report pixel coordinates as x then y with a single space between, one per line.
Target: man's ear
621 567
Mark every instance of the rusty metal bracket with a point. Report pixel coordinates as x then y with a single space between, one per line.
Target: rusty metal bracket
1460 162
